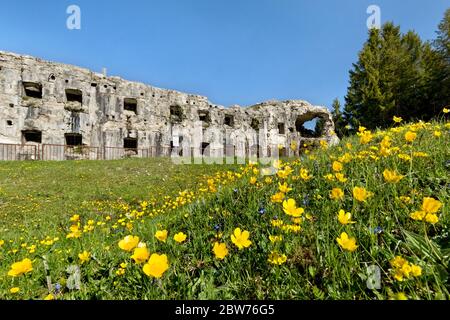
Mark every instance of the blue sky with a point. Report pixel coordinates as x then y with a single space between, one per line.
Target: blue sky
233 51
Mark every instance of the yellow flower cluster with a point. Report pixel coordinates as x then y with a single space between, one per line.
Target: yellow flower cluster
402 269
430 207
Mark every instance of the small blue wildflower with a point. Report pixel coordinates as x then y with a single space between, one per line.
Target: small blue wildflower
378 230
262 210
275 218
57 288
217 227
235 190
306 200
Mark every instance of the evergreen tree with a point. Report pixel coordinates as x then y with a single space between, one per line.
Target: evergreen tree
395 75
364 98
440 66
338 119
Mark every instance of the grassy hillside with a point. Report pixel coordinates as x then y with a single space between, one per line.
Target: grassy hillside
123 239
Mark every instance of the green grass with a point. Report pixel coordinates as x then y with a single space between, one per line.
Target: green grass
50 192
37 200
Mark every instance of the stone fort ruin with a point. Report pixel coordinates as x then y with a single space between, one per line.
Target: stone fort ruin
53 111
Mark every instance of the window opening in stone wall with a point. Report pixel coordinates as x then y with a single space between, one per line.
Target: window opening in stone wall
176 114
130 143
74 95
255 124
204 116
33 90
229 120
73 139
32 136
130 104
281 129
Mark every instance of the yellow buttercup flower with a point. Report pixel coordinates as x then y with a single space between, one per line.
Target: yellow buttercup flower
75 232
277 258
345 217
253 180
337 166
398 262
290 208
274 239
365 137
156 265
361 194
398 296
304 174
337 194
416 271
418 215
445 110
347 243
283 174
241 238
268 180
278 197
386 142
392 176
161 235
21 267
284 188
75 218
404 157
180 237
397 119
410 136
140 255
84 256
431 205
432 218
49 297
341 178
220 250
129 243
405 199
346 158
14 290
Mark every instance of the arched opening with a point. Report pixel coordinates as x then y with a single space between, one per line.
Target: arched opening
310 126
205 149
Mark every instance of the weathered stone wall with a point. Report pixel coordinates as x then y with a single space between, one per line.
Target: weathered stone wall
57 99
